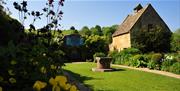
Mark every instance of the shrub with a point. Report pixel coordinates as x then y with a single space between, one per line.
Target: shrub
131 51
175 68
123 57
153 65
114 55
138 61
134 62
166 65
175 40
155 61
167 62
157 57
98 54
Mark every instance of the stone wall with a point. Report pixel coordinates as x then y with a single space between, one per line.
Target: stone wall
120 42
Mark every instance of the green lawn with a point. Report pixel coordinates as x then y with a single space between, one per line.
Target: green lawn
122 80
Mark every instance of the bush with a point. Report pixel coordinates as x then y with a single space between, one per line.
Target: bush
138 61
166 65
155 61
157 57
167 62
131 51
175 68
98 54
123 57
114 55
135 62
175 40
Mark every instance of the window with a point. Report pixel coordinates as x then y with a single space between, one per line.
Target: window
150 27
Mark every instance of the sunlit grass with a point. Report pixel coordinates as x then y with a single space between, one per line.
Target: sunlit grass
122 80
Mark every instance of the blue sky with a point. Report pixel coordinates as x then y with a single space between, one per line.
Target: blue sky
89 13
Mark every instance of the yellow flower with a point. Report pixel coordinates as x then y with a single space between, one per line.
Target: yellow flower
38 85
1 89
35 63
43 70
61 80
53 67
13 62
56 88
73 88
52 81
1 78
11 72
12 80
67 86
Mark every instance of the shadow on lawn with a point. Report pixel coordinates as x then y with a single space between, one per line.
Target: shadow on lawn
118 69
79 78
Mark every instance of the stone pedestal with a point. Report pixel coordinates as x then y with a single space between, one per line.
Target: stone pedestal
103 64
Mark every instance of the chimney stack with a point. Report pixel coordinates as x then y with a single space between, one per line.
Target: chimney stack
137 8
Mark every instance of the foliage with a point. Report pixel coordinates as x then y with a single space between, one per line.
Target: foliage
177 31
69 32
175 41
18 61
95 43
167 62
114 55
85 31
72 28
28 56
138 61
155 61
156 39
131 51
175 68
109 30
96 30
123 57
14 32
98 54
158 61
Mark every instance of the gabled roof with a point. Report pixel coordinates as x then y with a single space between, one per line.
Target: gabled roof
129 22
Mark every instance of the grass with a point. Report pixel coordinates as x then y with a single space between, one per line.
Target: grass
122 80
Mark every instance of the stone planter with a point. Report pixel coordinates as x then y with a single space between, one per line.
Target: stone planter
103 64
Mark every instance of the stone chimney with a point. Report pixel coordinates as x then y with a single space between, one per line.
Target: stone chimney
137 8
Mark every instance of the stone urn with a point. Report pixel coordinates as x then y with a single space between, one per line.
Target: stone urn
103 64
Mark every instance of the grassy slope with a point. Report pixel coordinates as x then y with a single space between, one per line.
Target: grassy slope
122 80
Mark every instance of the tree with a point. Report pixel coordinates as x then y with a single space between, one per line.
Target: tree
85 31
175 41
96 43
108 31
72 28
8 33
157 40
96 30
177 31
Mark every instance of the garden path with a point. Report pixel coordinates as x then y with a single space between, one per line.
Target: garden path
152 71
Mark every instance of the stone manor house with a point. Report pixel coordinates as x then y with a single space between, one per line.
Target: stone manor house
143 17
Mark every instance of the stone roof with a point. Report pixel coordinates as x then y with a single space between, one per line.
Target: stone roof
129 22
